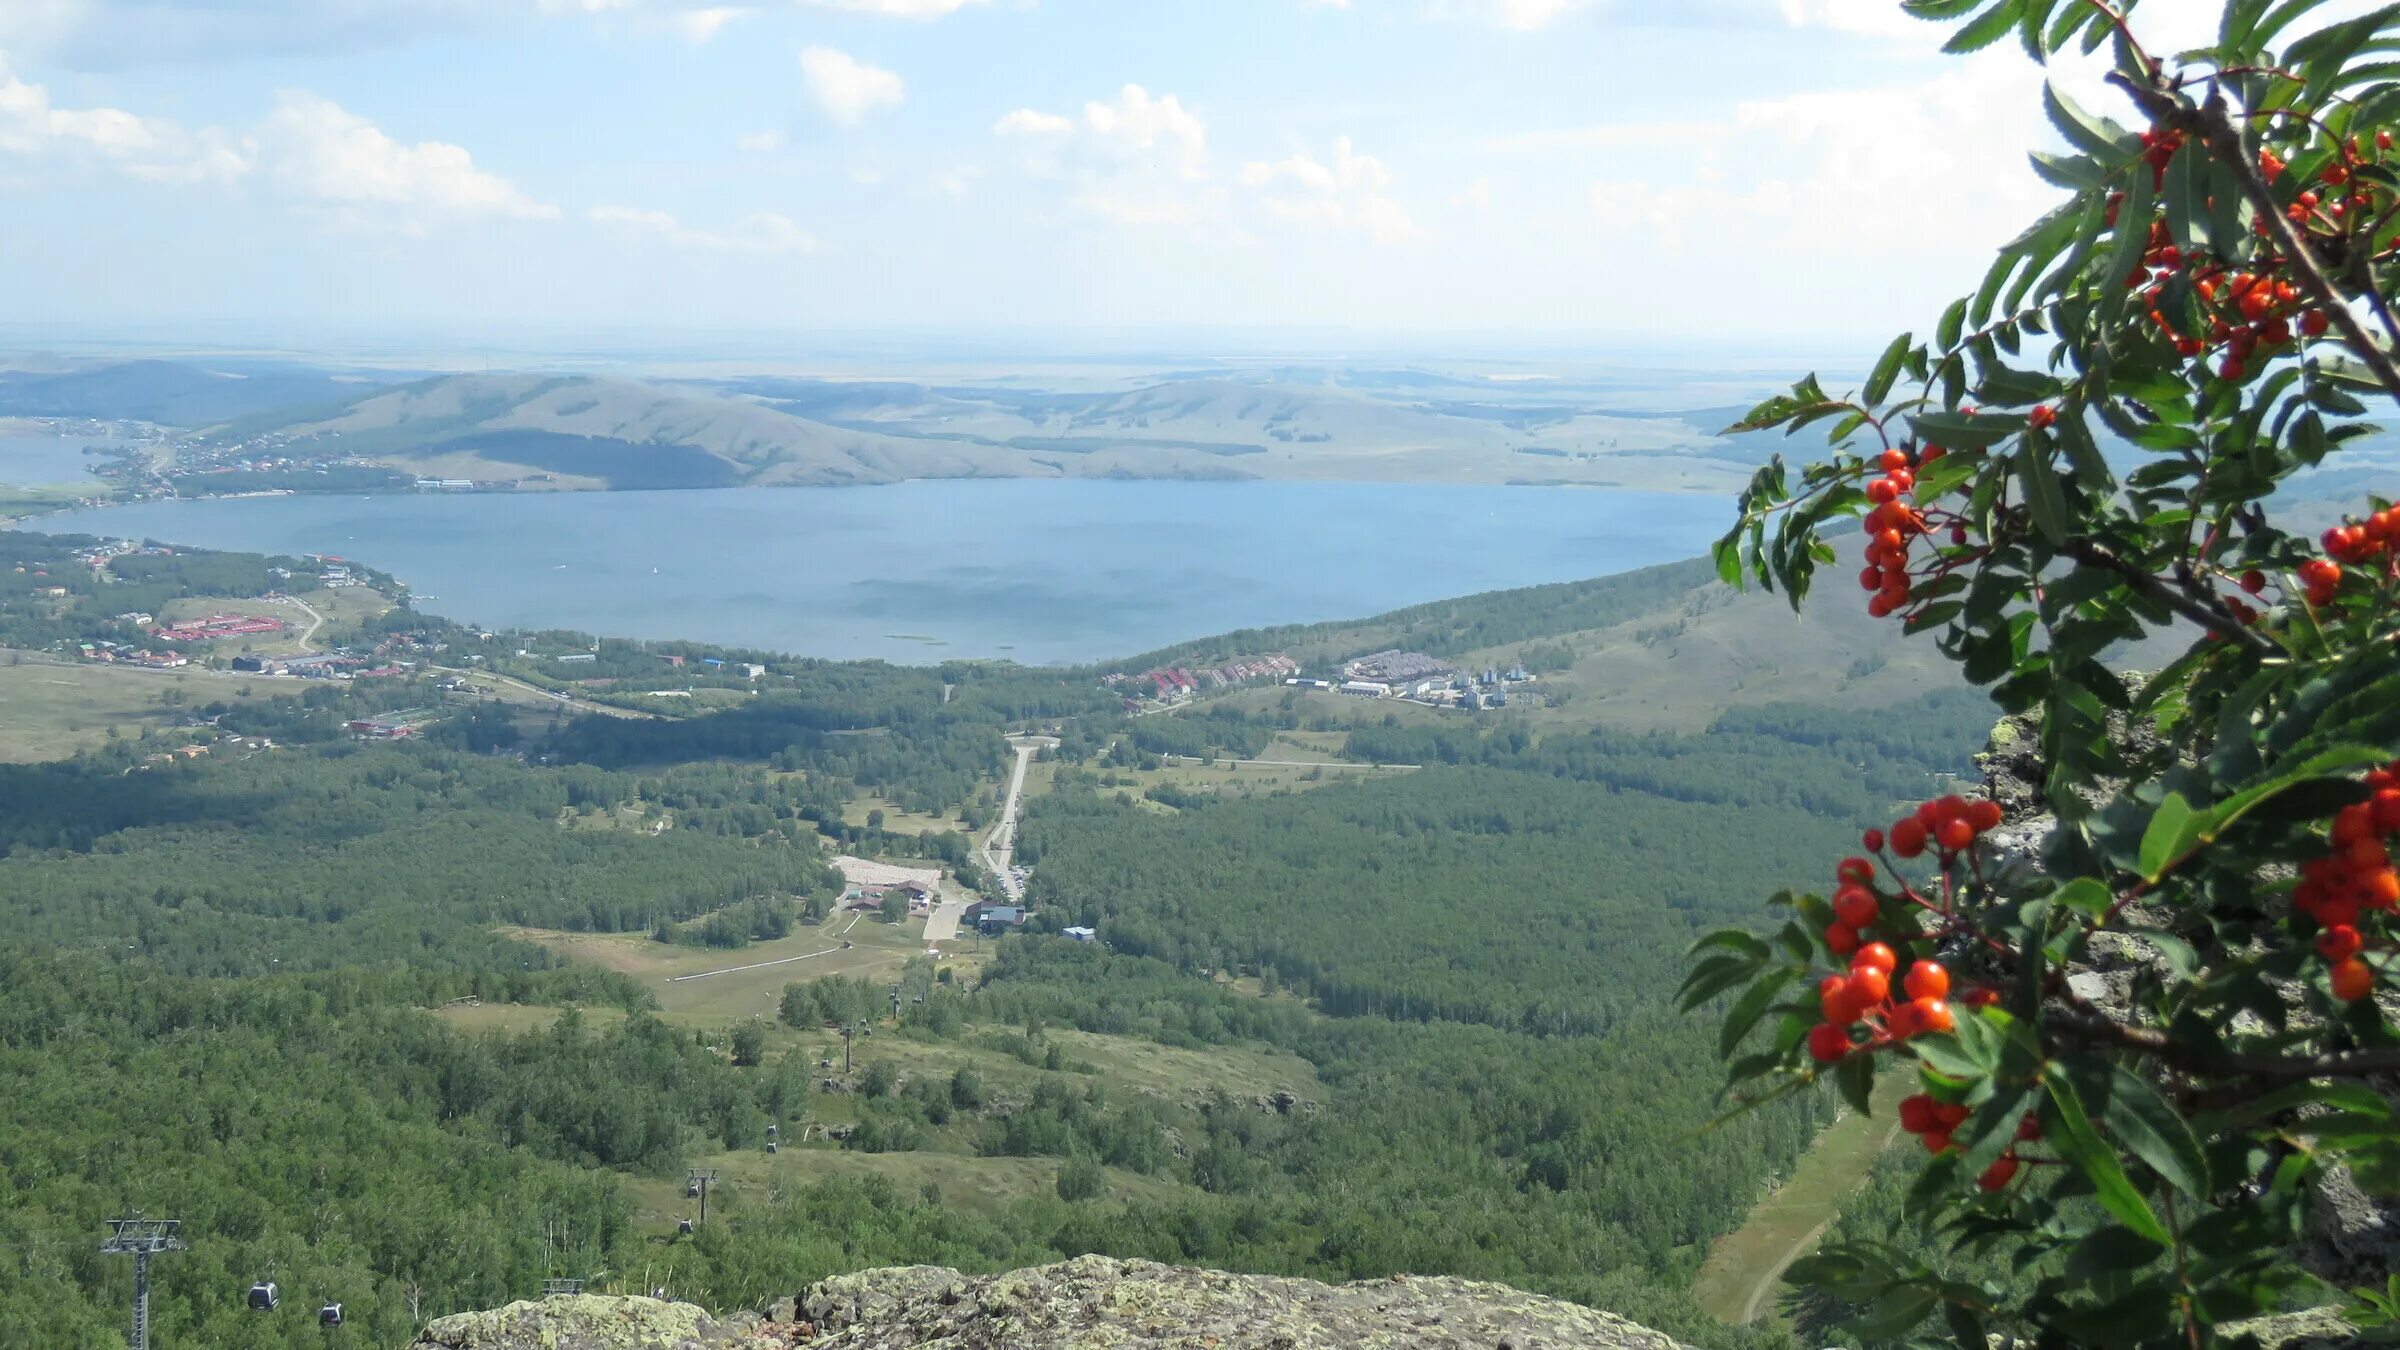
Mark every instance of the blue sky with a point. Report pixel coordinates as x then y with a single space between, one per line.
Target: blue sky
1745 171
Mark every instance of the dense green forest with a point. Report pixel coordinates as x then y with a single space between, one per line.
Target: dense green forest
220 973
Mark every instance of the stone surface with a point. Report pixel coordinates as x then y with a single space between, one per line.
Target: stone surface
599 1322
1091 1303
1095 1302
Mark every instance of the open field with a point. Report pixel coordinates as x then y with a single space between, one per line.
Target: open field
878 948
1743 1274
521 1017
50 711
897 821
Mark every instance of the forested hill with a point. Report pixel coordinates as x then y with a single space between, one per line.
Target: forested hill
1345 1026
1458 626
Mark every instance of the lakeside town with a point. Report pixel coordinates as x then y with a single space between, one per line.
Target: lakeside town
1412 677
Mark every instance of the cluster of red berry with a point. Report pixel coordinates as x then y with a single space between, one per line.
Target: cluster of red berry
2251 313
1863 999
1892 525
1950 825
1931 1121
2354 877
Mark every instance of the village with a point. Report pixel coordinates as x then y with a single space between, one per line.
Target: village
1413 677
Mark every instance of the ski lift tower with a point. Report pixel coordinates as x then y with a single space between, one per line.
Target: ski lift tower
141 1239
697 1184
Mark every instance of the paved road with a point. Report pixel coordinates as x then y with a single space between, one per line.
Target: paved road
942 924
1294 763
315 620
547 696
1000 846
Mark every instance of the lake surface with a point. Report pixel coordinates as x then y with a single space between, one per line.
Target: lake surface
1043 571
43 461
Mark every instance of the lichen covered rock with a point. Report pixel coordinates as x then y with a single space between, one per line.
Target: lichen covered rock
595 1322
1094 1302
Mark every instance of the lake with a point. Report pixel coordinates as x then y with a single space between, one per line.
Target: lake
44 461
1043 571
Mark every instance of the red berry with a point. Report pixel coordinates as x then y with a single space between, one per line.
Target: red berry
2386 809
1855 906
1931 1014
2002 1171
1908 837
1827 1043
1936 1141
1956 835
1916 1113
1893 460
2029 1128
1834 1001
2042 417
1927 979
2340 943
1857 871
1869 986
1985 815
1878 955
2353 980
1872 841
2254 581
1841 939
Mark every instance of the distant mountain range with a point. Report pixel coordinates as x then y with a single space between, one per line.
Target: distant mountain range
580 431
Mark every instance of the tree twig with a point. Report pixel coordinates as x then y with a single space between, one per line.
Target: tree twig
2223 624
2225 143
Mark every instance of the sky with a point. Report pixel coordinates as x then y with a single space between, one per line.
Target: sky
1707 172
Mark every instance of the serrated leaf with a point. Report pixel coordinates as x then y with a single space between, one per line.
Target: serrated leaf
2173 829
1879 383
2155 1132
1751 1006
2070 1131
2043 495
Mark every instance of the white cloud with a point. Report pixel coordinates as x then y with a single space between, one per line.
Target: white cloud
759 142
145 147
1527 15
846 87
762 232
329 154
1348 194
1136 159
699 26
1027 122
897 9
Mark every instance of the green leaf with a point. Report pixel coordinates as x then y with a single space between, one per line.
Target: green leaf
2173 829
1964 431
2086 896
1946 1055
1751 1006
1986 28
1879 384
2155 1132
1855 1076
2092 135
2070 1131
2043 495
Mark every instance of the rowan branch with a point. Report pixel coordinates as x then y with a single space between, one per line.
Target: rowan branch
2141 579
2225 143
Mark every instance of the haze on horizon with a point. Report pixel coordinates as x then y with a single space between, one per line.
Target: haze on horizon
1718 172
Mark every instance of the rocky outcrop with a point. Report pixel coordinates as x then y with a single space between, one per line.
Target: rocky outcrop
601 1322
1085 1304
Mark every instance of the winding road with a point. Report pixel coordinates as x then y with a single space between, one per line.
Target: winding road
1000 846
